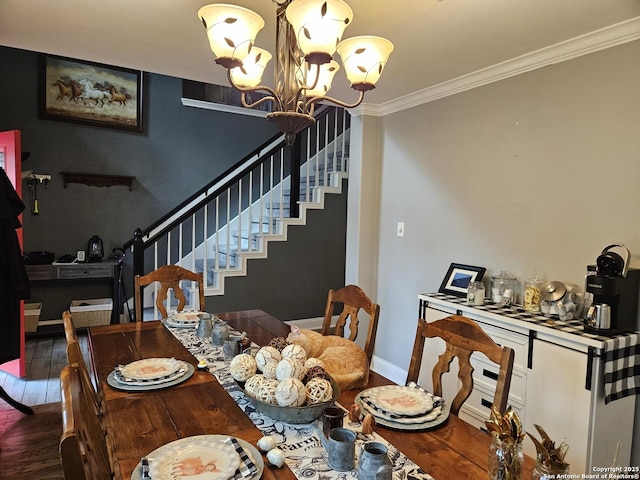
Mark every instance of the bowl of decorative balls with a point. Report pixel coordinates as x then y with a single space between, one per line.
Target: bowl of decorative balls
284 384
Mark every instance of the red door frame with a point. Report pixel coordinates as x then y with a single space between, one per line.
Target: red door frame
10 145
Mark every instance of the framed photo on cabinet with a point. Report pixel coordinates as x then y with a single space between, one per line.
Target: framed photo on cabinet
458 278
89 93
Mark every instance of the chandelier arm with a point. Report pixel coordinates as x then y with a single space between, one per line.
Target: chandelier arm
257 102
315 82
273 96
312 101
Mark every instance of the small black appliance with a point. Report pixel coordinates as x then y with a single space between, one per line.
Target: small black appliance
615 290
95 249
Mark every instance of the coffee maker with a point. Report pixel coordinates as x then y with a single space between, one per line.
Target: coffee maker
615 290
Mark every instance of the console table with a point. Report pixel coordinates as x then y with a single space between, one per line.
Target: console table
57 284
557 382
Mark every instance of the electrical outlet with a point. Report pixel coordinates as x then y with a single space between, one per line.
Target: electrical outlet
400 231
80 255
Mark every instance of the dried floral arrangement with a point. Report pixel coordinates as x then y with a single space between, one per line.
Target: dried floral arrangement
550 457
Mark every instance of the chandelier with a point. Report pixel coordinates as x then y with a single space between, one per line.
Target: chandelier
308 33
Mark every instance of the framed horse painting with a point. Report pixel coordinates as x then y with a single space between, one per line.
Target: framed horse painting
89 93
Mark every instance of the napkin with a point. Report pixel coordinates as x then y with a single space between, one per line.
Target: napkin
121 378
621 367
247 468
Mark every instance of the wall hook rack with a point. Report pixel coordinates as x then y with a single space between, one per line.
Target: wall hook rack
33 180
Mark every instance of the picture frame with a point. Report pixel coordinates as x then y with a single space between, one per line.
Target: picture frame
458 278
89 93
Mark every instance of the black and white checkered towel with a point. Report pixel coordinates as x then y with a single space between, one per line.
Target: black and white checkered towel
621 367
247 468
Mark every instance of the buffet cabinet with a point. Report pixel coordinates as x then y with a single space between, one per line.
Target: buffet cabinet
557 382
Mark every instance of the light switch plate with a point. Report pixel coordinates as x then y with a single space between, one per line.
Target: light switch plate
400 231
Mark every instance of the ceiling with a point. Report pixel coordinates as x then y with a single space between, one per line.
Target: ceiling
435 41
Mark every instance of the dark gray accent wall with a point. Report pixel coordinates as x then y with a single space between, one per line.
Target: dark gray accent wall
295 278
180 150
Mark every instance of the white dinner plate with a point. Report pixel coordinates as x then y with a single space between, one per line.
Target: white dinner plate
251 451
408 423
183 368
400 400
186 317
201 458
148 386
150 368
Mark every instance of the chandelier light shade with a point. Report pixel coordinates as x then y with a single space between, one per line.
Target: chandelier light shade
231 31
364 59
308 34
249 74
325 77
318 26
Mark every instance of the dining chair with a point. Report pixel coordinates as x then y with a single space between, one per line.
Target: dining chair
74 356
83 447
353 299
462 337
169 277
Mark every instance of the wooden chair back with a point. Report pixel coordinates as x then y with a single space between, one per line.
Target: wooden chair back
74 356
462 336
169 277
83 447
353 300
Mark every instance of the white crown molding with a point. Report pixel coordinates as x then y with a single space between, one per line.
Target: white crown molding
614 35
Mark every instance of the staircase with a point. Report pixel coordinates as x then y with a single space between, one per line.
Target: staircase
233 219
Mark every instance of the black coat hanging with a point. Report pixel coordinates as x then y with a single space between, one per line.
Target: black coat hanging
14 283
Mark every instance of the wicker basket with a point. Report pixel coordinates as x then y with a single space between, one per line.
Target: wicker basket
31 316
92 312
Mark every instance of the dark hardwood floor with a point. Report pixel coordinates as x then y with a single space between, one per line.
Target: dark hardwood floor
29 443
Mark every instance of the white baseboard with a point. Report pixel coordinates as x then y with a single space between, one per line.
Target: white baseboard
389 370
308 323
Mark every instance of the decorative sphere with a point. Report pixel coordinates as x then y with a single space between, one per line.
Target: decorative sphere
314 372
319 390
291 392
243 366
294 351
267 391
267 443
266 355
251 387
288 367
313 362
279 343
269 369
276 457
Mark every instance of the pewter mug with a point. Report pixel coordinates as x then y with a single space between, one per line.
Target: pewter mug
205 326
341 449
231 347
220 333
374 463
331 418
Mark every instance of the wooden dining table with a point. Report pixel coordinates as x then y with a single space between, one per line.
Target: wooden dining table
139 422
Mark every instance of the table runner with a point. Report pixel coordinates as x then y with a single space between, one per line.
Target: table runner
301 444
621 352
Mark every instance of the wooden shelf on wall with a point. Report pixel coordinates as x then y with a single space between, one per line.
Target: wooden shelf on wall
97 180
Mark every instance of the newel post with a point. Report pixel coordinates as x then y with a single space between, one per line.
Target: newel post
138 253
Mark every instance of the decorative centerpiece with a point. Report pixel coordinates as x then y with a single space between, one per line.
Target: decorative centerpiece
549 459
285 384
505 453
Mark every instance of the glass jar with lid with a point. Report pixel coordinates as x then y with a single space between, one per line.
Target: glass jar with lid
503 288
475 293
532 298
